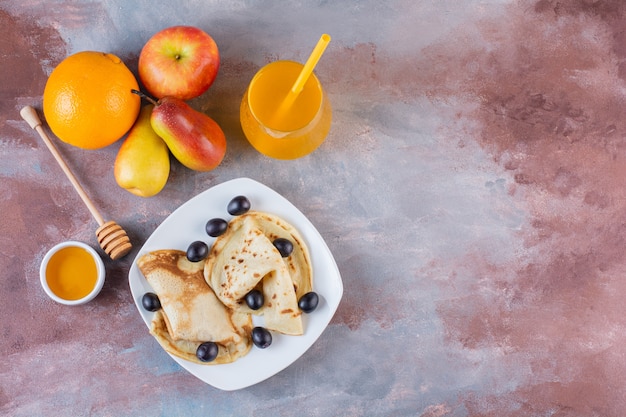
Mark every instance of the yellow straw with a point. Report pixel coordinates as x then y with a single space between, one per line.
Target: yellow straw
306 71
310 64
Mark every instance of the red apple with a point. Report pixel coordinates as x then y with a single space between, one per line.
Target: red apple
180 61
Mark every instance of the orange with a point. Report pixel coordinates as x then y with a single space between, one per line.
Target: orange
88 102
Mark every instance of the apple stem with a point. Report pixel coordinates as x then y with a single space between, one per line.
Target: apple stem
144 95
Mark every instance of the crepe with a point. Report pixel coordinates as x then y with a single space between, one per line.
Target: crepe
244 258
190 312
186 349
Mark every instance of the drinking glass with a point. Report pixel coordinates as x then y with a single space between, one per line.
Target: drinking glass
279 132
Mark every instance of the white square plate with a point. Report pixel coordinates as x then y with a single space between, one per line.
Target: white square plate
187 224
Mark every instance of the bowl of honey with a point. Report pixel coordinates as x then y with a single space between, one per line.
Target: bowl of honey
72 273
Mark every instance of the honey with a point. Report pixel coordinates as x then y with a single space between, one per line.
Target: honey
71 273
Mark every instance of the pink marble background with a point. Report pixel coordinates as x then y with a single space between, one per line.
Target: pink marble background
472 191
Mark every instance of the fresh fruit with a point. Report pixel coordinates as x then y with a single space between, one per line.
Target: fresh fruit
195 139
207 351
142 165
197 251
150 301
87 100
238 205
216 227
308 302
180 61
284 246
254 299
261 337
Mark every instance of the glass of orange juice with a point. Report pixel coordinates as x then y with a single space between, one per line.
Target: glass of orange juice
288 133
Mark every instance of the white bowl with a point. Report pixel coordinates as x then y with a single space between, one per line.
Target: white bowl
100 270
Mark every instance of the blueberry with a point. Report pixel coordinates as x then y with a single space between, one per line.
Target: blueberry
308 302
150 301
238 205
261 337
284 246
207 351
216 227
197 251
255 299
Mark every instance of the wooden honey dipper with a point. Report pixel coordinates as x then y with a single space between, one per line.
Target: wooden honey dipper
111 237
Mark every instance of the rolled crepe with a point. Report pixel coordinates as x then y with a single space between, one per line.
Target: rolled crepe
190 312
245 258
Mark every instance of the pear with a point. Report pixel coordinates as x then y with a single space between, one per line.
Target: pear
142 166
196 140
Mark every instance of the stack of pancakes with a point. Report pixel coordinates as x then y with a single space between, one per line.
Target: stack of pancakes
205 301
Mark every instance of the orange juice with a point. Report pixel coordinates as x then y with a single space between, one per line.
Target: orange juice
71 273
300 129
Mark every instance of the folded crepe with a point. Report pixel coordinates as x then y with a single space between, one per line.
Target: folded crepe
190 312
245 258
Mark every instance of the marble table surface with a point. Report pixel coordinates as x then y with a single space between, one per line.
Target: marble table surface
472 191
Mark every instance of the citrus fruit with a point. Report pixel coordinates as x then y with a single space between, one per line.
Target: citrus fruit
87 100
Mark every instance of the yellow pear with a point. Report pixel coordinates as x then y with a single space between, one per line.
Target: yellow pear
142 165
